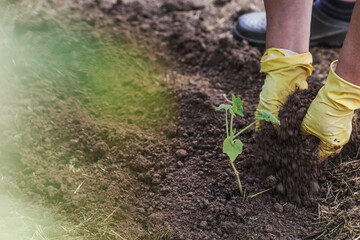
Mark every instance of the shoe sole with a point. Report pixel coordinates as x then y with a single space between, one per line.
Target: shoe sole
335 40
238 37
330 41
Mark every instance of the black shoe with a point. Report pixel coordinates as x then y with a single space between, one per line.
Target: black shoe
324 29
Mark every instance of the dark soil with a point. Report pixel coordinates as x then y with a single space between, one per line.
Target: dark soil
181 183
193 193
289 154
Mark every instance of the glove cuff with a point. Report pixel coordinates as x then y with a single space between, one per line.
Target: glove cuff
279 59
343 94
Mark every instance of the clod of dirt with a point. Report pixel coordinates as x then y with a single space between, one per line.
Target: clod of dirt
74 141
289 207
171 131
179 5
156 179
156 218
100 149
221 3
278 207
270 181
181 153
203 224
229 227
269 228
108 4
179 164
145 26
140 164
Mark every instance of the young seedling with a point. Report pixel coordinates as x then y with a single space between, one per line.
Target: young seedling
231 146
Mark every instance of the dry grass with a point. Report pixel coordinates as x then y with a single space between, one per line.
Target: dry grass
339 216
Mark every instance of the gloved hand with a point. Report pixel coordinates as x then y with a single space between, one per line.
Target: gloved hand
285 72
329 116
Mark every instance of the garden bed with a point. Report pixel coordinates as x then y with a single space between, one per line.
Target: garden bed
171 180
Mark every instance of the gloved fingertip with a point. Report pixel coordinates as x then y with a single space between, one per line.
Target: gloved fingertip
257 126
303 131
277 127
303 85
326 150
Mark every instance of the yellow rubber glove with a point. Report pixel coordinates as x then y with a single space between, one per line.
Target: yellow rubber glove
285 72
330 115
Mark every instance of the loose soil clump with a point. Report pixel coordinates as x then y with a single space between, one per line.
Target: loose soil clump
288 154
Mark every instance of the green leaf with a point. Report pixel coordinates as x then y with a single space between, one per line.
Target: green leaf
268 117
223 106
231 110
237 105
232 148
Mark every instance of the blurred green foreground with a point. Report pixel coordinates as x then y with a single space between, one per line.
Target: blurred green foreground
46 60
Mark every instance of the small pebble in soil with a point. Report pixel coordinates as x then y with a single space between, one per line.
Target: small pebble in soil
74 141
100 149
179 164
144 26
269 228
181 5
240 212
141 210
165 190
171 132
156 179
190 194
278 207
270 181
289 207
203 224
106 4
229 227
181 153
156 218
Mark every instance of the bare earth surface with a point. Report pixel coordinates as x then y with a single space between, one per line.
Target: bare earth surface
177 183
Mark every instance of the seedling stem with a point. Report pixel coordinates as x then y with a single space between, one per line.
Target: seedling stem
246 128
227 128
237 177
231 146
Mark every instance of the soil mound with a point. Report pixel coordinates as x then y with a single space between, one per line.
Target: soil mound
190 187
200 187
